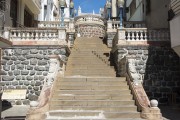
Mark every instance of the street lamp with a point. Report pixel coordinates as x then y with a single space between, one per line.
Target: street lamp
75 12
62 4
108 6
120 4
71 8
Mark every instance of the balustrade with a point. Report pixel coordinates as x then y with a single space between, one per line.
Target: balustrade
33 34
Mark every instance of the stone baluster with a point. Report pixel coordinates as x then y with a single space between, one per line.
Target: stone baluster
40 35
36 35
133 36
45 35
128 36
145 35
23 35
19 35
141 33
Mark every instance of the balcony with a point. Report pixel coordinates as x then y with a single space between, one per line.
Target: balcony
175 25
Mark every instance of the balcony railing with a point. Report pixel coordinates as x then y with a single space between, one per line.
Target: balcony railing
140 34
35 34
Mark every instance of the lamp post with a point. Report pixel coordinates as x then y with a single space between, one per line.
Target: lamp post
71 8
75 12
108 6
120 4
62 4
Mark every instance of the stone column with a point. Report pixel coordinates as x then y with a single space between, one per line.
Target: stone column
121 36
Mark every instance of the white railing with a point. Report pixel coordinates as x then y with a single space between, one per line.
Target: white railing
142 34
114 25
89 19
36 34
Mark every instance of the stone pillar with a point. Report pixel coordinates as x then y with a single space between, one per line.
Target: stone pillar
121 36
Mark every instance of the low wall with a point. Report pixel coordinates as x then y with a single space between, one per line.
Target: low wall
27 68
158 67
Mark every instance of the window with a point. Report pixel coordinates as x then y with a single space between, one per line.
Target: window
13 12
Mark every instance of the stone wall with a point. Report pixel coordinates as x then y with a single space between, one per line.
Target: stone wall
27 68
91 30
159 68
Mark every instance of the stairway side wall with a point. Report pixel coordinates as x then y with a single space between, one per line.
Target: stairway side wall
27 68
160 68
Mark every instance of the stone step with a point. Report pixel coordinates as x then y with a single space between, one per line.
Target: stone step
93 87
90 71
92 83
90 79
93 92
76 114
92 97
126 108
92 118
90 75
97 103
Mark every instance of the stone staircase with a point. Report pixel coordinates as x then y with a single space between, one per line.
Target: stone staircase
90 89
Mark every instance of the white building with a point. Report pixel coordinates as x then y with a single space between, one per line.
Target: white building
51 10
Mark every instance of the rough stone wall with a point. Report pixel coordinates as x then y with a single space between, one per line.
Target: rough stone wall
160 68
91 30
110 37
26 68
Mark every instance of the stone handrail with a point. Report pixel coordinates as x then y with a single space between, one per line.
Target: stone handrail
142 101
142 34
89 19
114 25
35 34
56 24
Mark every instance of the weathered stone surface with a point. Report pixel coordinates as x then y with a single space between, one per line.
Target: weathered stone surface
17 62
33 51
16 72
42 62
36 88
29 67
33 61
29 87
21 58
33 83
18 77
39 73
37 93
23 77
18 87
6 57
18 51
14 58
32 72
20 67
10 73
23 87
41 68
13 67
32 97
41 78
26 102
39 56
26 82
8 78
6 67
29 78
45 73
36 77
3 72
38 83
3 62
21 82
46 57
18 102
26 62
25 52
10 62
24 72
14 83
30 56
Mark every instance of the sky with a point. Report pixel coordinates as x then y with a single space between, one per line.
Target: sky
88 6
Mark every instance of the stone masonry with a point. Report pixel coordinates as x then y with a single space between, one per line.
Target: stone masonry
159 68
27 68
91 30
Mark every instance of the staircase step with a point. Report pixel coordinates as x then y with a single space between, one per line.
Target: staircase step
103 108
92 102
92 97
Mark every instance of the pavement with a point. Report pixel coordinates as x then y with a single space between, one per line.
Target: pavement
168 112
15 110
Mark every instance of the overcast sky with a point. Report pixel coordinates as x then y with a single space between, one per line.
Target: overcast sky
89 5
